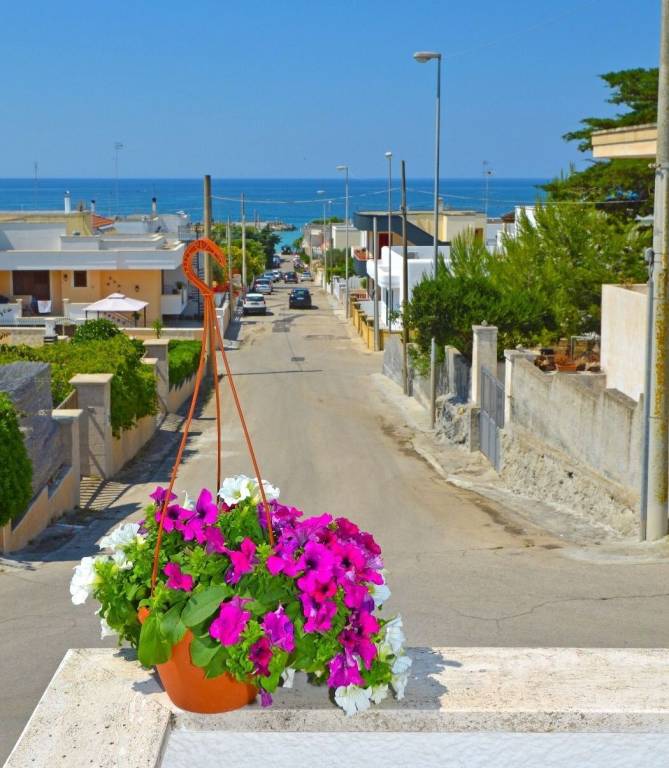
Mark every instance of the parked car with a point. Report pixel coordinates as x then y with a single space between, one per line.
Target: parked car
299 298
304 276
277 274
268 275
262 286
254 304
289 277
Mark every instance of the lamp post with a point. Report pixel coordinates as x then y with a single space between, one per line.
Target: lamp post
325 276
344 168
389 303
487 173
422 57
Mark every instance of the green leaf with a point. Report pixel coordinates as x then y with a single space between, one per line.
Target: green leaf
203 604
153 647
172 627
202 652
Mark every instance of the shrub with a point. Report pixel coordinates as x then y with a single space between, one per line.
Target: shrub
133 386
157 326
183 358
96 330
17 471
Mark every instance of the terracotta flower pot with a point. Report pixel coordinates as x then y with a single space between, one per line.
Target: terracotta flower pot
570 367
189 689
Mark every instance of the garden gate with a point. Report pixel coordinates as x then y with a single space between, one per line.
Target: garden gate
491 417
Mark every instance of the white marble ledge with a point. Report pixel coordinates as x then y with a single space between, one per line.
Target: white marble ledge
102 709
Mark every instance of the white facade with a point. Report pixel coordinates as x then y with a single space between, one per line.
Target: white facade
356 237
26 245
390 269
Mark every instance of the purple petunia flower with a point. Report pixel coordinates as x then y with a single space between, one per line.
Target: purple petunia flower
357 596
159 495
344 671
318 615
194 520
214 540
176 579
242 561
260 654
319 560
318 590
265 698
231 622
279 629
312 527
172 517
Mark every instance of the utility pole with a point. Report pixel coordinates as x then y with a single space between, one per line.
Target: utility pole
206 221
405 284
347 255
228 239
658 448
243 246
389 303
377 340
487 173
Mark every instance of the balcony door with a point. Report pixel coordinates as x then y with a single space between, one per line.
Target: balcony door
32 282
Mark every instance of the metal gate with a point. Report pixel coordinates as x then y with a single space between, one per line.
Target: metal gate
491 417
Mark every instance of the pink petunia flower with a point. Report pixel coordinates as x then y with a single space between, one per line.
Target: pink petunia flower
318 615
260 654
344 671
242 561
176 579
194 520
318 590
172 517
214 540
159 495
279 629
231 622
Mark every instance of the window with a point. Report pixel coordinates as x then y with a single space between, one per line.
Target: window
33 283
79 277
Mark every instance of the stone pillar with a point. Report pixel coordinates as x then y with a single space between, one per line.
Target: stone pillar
94 399
70 420
510 355
66 307
157 349
484 354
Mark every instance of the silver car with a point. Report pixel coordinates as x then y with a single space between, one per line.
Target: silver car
305 276
254 304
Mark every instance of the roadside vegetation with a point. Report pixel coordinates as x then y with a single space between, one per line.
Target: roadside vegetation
260 248
16 477
546 283
133 386
183 359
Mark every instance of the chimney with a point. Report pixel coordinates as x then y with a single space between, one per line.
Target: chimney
154 206
68 202
92 206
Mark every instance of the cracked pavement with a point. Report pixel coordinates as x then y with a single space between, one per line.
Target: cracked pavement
464 569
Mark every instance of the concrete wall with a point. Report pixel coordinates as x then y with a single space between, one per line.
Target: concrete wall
130 442
574 413
623 353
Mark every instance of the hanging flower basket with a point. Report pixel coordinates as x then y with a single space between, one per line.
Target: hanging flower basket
232 592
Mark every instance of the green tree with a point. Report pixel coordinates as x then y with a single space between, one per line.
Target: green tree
623 186
17 470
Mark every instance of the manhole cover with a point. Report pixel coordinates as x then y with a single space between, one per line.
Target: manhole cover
297 359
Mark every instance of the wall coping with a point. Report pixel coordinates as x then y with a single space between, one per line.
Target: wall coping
156 342
521 690
92 378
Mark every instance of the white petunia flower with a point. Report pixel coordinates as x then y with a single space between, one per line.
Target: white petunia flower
352 698
120 537
106 630
235 489
238 488
393 639
288 677
121 561
379 693
83 581
188 502
400 678
380 593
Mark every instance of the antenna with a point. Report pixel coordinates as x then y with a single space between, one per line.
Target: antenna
118 146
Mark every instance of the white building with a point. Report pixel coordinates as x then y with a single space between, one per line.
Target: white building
390 270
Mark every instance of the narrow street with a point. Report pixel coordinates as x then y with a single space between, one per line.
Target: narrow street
463 571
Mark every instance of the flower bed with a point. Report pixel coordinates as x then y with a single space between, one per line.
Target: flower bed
257 612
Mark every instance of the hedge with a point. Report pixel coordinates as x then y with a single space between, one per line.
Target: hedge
133 386
183 358
17 471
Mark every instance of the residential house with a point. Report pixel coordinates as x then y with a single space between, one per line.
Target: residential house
68 259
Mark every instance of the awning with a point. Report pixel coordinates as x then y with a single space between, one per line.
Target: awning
116 302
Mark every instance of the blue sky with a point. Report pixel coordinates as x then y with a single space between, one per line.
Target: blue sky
290 89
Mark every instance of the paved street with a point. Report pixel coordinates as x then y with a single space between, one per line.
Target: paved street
463 570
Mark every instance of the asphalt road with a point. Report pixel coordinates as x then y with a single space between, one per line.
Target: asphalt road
463 570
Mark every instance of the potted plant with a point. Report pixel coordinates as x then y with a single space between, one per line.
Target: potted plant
565 364
232 614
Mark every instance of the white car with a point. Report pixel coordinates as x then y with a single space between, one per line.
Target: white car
254 304
305 276
262 286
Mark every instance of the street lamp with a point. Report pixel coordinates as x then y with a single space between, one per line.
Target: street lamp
487 173
422 57
344 168
389 303
323 251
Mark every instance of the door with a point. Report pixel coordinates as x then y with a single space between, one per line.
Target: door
32 282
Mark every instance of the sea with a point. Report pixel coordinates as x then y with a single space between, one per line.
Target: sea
292 201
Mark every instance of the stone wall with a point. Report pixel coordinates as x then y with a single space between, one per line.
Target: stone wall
28 385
